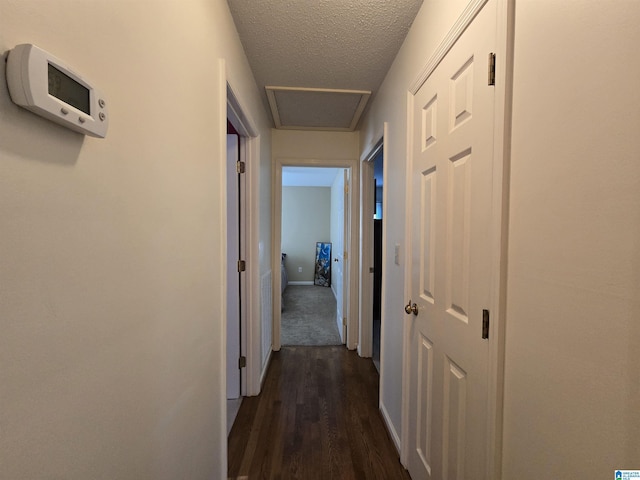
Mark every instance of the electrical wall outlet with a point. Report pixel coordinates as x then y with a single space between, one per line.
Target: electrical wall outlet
299 269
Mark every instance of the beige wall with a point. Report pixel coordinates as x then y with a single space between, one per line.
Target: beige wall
111 305
572 399
301 145
306 213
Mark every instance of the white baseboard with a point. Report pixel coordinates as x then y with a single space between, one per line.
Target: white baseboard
392 431
265 367
301 283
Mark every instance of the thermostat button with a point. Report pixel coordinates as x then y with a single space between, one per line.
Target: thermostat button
101 103
81 120
64 111
102 116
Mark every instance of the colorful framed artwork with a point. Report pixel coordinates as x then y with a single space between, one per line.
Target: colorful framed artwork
322 274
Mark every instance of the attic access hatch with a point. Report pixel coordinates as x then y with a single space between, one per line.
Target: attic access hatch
316 108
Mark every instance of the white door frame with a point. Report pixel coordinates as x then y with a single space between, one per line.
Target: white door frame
235 251
250 295
352 238
499 220
367 196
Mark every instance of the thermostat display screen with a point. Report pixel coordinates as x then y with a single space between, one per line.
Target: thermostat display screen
49 87
68 90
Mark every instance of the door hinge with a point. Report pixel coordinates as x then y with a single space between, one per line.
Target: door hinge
242 265
346 188
344 321
242 362
345 256
492 69
485 324
240 167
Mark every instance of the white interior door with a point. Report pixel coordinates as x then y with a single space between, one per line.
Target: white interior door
233 277
450 267
344 287
338 213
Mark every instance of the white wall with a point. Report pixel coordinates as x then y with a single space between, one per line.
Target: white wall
111 309
572 399
306 219
429 28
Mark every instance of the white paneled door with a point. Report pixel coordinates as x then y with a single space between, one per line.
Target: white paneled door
450 262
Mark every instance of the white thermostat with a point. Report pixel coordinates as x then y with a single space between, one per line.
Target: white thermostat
43 84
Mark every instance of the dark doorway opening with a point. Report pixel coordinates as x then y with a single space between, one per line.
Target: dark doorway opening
377 258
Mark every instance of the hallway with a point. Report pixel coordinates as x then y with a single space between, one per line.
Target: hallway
317 417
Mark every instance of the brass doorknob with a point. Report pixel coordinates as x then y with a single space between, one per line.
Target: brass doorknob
409 308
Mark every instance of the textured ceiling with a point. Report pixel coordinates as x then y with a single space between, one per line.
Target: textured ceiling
321 44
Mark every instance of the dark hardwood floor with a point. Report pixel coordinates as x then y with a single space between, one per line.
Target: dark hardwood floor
316 418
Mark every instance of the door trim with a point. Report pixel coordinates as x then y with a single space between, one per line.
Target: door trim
250 343
365 348
235 251
500 227
464 20
499 220
367 195
353 241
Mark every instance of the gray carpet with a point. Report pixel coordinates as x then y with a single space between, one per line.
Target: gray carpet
309 316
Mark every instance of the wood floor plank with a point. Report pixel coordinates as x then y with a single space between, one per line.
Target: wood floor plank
316 418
